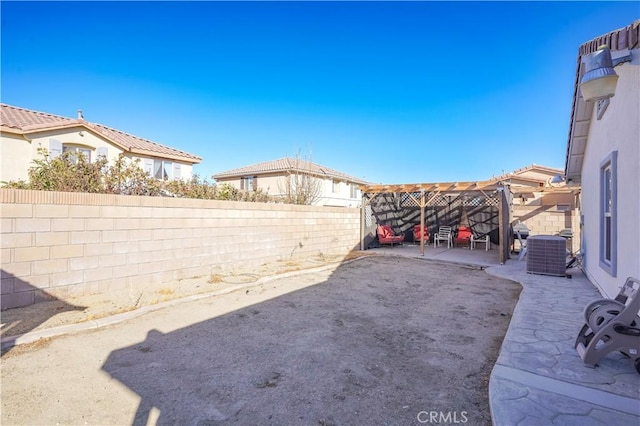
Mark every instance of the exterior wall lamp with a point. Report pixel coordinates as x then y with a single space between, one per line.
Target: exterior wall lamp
599 80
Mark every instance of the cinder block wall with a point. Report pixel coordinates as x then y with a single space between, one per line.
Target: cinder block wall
66 244
549 214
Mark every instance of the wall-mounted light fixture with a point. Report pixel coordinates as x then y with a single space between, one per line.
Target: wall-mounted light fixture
599 80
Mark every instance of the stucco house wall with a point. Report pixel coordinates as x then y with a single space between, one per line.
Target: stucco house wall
24 150
270 184
338 195
337 189
618 131
604 140
23 132
15 157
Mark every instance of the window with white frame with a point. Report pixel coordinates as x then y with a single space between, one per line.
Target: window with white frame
77 151
354 190
162 169
335 186
608 213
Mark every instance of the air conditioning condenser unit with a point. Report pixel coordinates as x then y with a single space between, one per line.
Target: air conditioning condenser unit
547 255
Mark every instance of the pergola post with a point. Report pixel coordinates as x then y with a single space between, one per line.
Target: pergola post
363 209
503 227
422 207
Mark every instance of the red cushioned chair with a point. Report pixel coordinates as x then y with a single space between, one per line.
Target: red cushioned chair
463 236
386 235
418 237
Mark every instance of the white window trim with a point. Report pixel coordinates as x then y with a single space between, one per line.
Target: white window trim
609 265
78 149
165 166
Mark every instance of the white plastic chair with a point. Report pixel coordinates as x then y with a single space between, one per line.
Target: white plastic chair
485 239
444 234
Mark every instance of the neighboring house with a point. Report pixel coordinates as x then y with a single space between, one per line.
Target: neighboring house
23 132
603 156
543 202
532 175
274 177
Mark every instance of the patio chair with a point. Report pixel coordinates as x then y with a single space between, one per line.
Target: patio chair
416 234
521 233
386 235
444 234
480 239
463 236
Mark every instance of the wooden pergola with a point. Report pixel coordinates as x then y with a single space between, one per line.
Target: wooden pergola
425 194
497 192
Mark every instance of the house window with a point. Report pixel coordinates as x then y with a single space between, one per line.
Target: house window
335 186
354 191
608 213
78 151
162 169
248 183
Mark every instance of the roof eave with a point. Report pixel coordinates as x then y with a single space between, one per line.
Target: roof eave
192 160
286 171
28 130
12 130
620 39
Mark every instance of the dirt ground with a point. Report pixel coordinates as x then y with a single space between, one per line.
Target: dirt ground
56 313
381 340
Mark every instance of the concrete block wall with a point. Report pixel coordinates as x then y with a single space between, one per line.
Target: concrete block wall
549 222
61 245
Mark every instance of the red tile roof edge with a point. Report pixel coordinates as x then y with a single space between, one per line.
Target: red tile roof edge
29 121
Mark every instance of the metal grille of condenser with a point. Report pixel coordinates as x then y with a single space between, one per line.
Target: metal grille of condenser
546 255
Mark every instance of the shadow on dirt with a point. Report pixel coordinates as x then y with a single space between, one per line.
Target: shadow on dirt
18 293
382 340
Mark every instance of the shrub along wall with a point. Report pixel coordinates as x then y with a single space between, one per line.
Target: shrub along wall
65 244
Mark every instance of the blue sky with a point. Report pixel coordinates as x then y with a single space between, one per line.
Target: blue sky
390 92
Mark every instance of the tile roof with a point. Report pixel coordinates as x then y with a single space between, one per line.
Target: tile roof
25 121
287 164
533 173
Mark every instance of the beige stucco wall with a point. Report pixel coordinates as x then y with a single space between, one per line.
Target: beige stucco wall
15 157
342 195
66 244
275 185
618 130
18 152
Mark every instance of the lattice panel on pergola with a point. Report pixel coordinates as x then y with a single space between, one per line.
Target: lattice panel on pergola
479 200
368 215
412 199
407 200
440 200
